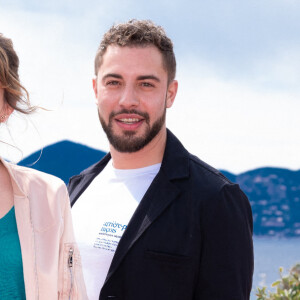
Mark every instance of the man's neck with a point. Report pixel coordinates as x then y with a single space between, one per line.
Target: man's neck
151 154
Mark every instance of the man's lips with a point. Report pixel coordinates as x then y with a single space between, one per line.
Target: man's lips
129 122
129 119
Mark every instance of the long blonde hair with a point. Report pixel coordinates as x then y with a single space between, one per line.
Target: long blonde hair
15 93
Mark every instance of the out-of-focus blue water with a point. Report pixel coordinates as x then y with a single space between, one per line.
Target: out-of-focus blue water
269 255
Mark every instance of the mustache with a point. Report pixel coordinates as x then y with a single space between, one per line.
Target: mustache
144 115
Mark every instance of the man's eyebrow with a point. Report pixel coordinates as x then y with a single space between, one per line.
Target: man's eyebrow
144 77
112 75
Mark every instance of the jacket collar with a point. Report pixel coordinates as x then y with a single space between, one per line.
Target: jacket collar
175 165
175 162
16 187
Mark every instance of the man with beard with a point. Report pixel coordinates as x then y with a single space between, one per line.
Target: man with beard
152 221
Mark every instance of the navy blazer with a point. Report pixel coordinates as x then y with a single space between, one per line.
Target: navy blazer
190 238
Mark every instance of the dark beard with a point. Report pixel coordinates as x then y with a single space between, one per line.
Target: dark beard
128 143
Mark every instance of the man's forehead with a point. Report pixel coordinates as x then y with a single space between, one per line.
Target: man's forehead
131 58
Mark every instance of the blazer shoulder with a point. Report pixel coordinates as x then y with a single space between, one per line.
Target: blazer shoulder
215 188
206 173
42 189
28 177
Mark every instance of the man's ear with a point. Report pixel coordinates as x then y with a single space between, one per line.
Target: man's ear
171 93
95 86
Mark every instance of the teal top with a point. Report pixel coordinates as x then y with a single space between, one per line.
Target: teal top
11 266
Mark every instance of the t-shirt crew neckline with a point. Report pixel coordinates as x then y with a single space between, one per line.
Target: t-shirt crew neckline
125 173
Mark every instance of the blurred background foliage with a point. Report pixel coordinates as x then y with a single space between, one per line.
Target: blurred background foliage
287 287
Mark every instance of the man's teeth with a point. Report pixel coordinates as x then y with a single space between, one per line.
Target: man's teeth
129 120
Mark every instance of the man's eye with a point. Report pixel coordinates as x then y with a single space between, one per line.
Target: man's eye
147 84
112 82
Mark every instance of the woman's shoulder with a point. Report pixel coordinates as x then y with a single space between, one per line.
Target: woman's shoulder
29 178
46 194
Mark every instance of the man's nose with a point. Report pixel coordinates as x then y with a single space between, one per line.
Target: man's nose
129 97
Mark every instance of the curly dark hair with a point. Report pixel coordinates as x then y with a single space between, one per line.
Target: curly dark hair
15 94
139 33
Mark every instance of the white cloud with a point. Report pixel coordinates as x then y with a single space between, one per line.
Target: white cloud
233 125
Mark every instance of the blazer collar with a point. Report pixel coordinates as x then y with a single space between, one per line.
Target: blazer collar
175 162
13 176
175 165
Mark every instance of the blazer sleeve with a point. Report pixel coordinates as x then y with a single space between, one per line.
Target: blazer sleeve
226 262
70 281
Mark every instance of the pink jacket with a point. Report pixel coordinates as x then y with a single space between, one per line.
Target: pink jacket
51 260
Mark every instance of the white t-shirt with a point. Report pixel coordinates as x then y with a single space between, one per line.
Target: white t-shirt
101 215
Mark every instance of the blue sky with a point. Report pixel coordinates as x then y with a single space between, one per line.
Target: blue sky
238 70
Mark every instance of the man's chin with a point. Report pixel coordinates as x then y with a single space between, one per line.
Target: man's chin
124 147
128 142
126 135
129 133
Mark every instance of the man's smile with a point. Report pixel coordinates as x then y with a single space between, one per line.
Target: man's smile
129 121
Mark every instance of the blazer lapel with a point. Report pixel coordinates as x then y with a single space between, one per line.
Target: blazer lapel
158 197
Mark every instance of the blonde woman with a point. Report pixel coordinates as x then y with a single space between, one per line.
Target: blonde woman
38 255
